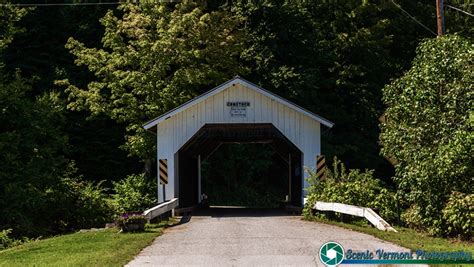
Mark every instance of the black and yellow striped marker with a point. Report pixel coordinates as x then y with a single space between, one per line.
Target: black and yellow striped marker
163 173
320 166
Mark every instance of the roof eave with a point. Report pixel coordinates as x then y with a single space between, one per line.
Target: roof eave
152 124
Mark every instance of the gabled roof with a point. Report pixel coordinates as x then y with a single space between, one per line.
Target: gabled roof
237 80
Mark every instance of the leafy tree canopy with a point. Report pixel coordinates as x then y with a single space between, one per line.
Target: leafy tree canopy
333 58
9 17
428 130
155 57
40 193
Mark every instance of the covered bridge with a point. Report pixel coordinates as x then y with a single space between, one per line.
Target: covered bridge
236 111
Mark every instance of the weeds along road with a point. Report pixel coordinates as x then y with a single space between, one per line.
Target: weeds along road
232 237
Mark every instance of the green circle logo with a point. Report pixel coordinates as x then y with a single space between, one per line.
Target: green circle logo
331 253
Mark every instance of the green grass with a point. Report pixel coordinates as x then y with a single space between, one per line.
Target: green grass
408 238
105 247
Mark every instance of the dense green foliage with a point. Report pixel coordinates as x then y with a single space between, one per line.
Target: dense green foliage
352 187
331 58
6 240
458 215
427 130
155 57
29 160
40 193
38 51
89 206
135 193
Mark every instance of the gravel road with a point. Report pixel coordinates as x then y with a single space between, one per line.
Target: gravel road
232 237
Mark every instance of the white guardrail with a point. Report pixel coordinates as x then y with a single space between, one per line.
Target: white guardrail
367 213
161 208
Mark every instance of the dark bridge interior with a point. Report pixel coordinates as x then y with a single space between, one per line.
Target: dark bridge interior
208 139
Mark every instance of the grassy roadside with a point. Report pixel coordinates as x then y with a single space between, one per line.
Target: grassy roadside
408 238
106 247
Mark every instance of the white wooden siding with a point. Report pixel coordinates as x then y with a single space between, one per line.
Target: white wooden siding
174 132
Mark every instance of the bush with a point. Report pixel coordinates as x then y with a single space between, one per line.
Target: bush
93 207
352 187
65 205
412 218
5 239
428 132
79 204
134 193
458 215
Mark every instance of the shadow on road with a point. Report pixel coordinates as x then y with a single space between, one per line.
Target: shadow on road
184 219
219 211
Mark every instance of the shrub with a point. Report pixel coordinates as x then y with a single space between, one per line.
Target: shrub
92 205
134 193
352 187
412 218
458 215
80 204
428 130
65 205
385 204
5 239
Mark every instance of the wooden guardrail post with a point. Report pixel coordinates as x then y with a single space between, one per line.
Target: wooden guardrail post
160 209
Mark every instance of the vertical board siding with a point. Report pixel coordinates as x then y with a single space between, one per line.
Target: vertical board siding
173 133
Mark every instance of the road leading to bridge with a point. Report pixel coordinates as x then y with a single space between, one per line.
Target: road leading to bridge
230 237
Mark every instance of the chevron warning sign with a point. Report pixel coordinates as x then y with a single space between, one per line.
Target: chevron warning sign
320 166
163 173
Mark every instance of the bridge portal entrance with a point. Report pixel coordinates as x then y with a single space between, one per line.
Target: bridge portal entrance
212 136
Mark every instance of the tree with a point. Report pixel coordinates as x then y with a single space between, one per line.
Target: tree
334 59
155 57
38 51
427 130
330 57
20 136
31 160
9 17
40 193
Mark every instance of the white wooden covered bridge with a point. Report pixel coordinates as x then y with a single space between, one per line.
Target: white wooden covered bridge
236 111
